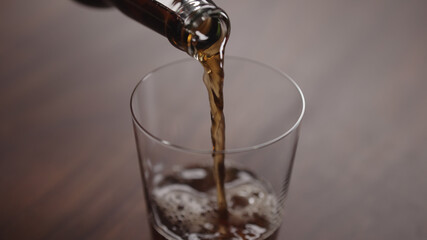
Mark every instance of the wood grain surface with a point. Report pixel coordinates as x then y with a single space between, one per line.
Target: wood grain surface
68 164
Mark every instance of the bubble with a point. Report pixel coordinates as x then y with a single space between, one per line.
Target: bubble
208 226
192 213
195 173
183 207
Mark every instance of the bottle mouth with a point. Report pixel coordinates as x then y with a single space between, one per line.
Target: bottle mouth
207 28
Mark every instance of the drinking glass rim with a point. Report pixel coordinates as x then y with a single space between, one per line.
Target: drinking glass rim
226 151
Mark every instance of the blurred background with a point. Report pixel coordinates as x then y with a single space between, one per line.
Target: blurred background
68 164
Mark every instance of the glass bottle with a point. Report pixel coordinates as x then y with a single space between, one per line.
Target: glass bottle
190 25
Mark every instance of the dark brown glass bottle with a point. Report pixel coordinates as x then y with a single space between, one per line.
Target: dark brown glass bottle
190 25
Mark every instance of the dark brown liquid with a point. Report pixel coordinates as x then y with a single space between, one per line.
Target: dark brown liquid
212 60
213 79
184 206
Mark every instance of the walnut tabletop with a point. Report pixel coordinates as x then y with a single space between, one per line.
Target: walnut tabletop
68 162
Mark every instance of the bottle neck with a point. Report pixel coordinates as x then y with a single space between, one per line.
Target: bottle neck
191 11
190 25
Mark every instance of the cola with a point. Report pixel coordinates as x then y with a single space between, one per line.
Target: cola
184 206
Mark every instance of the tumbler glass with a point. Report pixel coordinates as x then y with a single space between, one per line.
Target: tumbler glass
263 109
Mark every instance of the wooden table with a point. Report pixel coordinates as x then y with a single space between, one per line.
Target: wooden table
68 164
